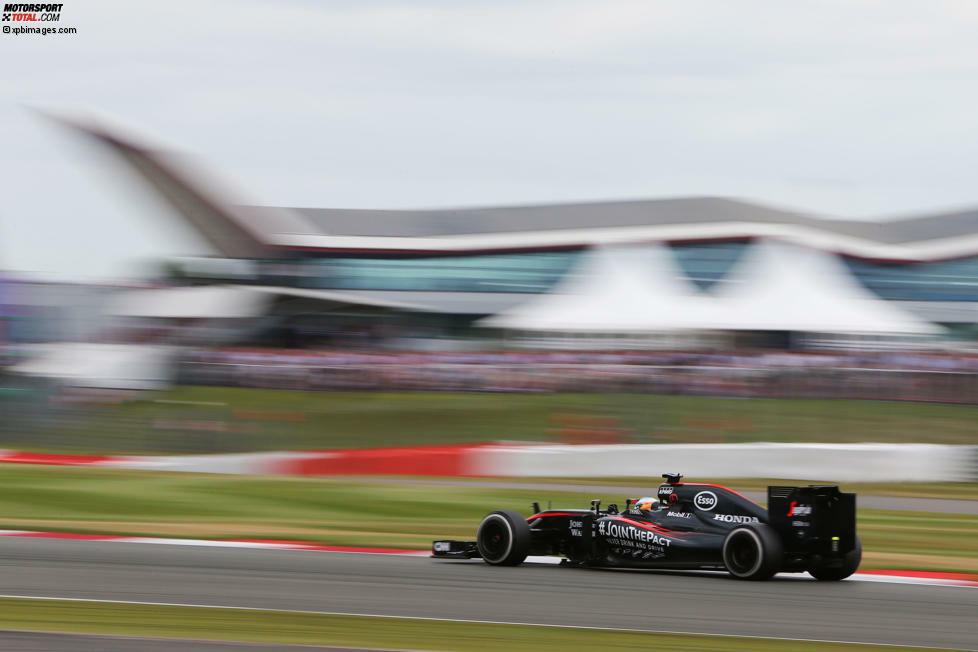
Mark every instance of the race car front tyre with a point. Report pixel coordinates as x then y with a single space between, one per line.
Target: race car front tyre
503 538
752 552
835 573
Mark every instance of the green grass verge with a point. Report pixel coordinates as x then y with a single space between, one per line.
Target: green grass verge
343 512
201 419
284 627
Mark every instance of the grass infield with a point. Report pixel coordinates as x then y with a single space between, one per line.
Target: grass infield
220 419
285 627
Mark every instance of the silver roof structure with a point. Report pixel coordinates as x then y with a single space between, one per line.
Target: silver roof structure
269 232
673 212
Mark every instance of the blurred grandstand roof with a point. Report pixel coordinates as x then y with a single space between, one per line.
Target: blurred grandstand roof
513 219
269 232
677 212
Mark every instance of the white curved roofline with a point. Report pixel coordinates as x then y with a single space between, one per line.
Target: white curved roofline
238 233
923 250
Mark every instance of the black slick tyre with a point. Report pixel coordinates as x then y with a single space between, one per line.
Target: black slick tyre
835 573
503 538
752 552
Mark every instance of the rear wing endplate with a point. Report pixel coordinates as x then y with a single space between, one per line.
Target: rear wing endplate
813 519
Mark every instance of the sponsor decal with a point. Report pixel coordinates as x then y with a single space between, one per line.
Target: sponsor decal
800 524
442 546
794 509
576 528
735 518
640 551
627 535
679 514
705 500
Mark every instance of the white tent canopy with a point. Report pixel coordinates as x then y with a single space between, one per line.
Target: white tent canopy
776 287
782 287
618 289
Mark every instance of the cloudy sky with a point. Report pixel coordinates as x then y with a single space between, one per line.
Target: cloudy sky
854 109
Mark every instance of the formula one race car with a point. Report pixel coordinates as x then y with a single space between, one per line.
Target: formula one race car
689 526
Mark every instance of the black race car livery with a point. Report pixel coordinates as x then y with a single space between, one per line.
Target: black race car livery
689 526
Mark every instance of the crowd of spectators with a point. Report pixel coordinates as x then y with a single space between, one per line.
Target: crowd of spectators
919 376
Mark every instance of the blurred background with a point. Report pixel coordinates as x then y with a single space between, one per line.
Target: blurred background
670 230
617 322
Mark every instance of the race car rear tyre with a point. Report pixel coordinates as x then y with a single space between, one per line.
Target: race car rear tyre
835 573
753 552
503 538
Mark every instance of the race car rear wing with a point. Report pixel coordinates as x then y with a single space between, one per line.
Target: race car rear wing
816 519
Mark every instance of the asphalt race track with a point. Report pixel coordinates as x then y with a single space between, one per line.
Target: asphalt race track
939 616
48 642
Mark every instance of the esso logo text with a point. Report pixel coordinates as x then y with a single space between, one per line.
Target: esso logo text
705 500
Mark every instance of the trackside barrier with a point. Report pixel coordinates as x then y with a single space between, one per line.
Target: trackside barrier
816 462
836 462
450 460
421 460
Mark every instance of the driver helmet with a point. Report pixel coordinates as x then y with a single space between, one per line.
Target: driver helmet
647 503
